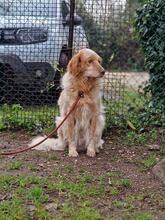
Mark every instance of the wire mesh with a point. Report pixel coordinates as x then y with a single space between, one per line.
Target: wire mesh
34 53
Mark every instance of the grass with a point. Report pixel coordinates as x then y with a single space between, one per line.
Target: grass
87 179
76 189
38 119
83 192
31 118
79 194
135 138
142 216
113 173
123 205
15 165
34 190
133 100
114 191
82 195
81 212
6 182
32 167
56 172
36 195
149 162
126 183
129 107
162 150
12 209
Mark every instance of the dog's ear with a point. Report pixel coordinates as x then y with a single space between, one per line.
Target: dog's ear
74 66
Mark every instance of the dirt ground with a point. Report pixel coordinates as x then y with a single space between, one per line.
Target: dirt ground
115 184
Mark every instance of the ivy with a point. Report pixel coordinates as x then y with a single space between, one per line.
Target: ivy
150 27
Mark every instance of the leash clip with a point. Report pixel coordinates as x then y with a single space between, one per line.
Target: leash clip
81 94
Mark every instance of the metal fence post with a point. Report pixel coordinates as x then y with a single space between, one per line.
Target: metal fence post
71 28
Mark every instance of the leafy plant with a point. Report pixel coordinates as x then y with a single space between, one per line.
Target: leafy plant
149 25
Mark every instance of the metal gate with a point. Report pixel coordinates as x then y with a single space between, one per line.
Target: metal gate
37 39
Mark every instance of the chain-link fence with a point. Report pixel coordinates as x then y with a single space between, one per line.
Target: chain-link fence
36 38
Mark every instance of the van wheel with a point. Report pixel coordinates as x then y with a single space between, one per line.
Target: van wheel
7 84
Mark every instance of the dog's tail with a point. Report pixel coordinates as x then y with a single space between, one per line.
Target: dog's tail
47 145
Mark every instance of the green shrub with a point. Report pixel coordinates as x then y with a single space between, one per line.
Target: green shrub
150 26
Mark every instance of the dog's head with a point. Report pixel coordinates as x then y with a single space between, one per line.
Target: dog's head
86 63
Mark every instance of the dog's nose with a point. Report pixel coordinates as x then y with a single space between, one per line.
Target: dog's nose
102 72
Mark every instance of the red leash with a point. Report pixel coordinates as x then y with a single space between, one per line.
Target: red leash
73 107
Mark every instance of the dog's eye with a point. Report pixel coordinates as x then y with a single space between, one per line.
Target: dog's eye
99 61
90 61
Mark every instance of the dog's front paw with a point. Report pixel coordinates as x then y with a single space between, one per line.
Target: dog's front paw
101 144
73 153
91 152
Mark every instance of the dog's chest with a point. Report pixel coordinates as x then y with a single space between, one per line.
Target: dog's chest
85 112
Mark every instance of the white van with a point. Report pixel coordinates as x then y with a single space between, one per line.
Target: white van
33 41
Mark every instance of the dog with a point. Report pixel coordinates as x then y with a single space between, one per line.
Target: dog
83 128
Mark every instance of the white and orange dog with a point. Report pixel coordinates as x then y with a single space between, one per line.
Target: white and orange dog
83 128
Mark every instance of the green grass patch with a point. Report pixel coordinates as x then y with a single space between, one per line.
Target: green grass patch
126 183
14 165
76 189
87 179
142 216
34 190
36 195
56 172
41 214
129 203
6 182
149 162
31 118
114 191
82 212
113 174
162 150
134 100
12 209
130 108
69 168
135 138
32 167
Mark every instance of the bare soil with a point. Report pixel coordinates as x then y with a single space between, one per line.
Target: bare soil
117 161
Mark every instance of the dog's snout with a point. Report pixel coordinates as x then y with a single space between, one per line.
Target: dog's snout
102 72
